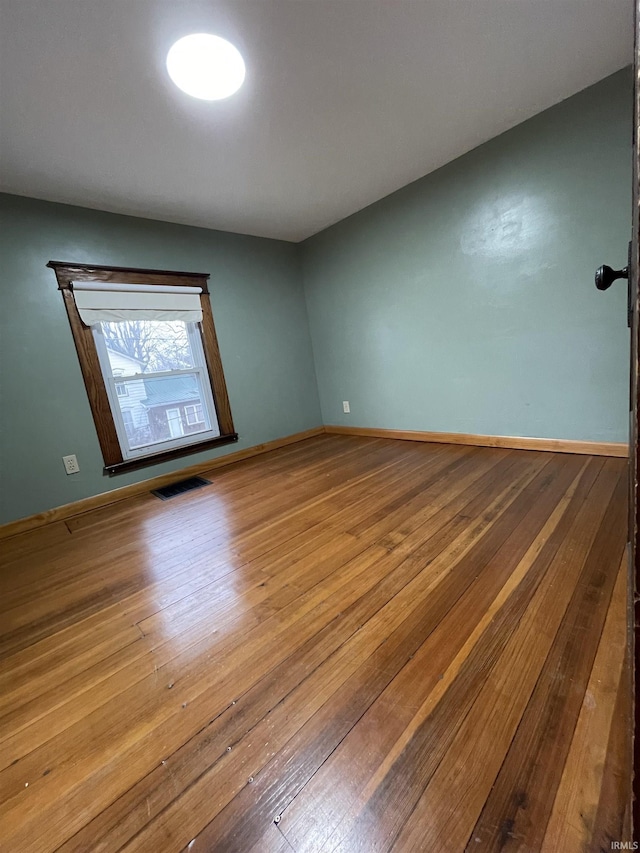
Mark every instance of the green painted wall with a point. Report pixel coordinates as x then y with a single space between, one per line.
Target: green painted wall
261 321
465 301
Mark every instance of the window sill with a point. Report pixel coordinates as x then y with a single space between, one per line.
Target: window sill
164 456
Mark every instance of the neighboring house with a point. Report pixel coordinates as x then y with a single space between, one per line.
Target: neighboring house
174 407
130 396
155 409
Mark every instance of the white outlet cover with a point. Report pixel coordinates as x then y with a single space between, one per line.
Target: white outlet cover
71 464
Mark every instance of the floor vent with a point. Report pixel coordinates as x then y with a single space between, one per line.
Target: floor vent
180 487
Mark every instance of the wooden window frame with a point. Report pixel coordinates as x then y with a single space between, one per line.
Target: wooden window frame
66 275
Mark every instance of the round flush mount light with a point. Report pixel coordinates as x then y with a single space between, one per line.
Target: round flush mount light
206 66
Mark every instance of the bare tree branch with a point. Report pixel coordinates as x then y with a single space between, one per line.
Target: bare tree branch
156 345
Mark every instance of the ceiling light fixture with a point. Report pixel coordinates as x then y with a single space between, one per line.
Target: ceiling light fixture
206 66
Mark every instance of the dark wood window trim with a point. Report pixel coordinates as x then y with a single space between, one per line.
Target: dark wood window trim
66 274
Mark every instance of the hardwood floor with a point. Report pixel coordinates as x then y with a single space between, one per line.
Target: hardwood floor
349 644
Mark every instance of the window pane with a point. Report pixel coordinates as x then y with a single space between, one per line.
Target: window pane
147 346
164 408
194 414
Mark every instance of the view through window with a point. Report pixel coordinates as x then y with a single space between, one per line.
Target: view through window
157 384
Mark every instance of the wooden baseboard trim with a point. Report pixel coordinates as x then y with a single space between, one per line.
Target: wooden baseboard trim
557 445
60 513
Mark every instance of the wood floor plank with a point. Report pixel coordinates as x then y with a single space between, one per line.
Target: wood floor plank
134 715
469 768
612 822
68 644
320 565
391 798
341 644
409 591
575 808
311 747
330 800
261 595
522 797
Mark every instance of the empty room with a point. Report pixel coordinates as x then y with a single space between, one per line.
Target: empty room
319 413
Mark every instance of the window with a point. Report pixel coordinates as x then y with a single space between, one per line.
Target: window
167 372
150 361
193 414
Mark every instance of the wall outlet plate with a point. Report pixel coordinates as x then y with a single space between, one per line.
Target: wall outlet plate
346 408
71 464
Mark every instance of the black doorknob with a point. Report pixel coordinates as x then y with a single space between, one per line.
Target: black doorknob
605 276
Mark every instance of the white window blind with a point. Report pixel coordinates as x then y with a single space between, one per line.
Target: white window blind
109 302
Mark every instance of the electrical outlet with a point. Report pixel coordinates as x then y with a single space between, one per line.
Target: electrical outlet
71 464
346 408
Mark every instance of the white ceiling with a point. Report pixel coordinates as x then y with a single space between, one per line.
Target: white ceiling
344 100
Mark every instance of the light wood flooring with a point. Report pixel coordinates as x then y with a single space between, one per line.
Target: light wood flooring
348 644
